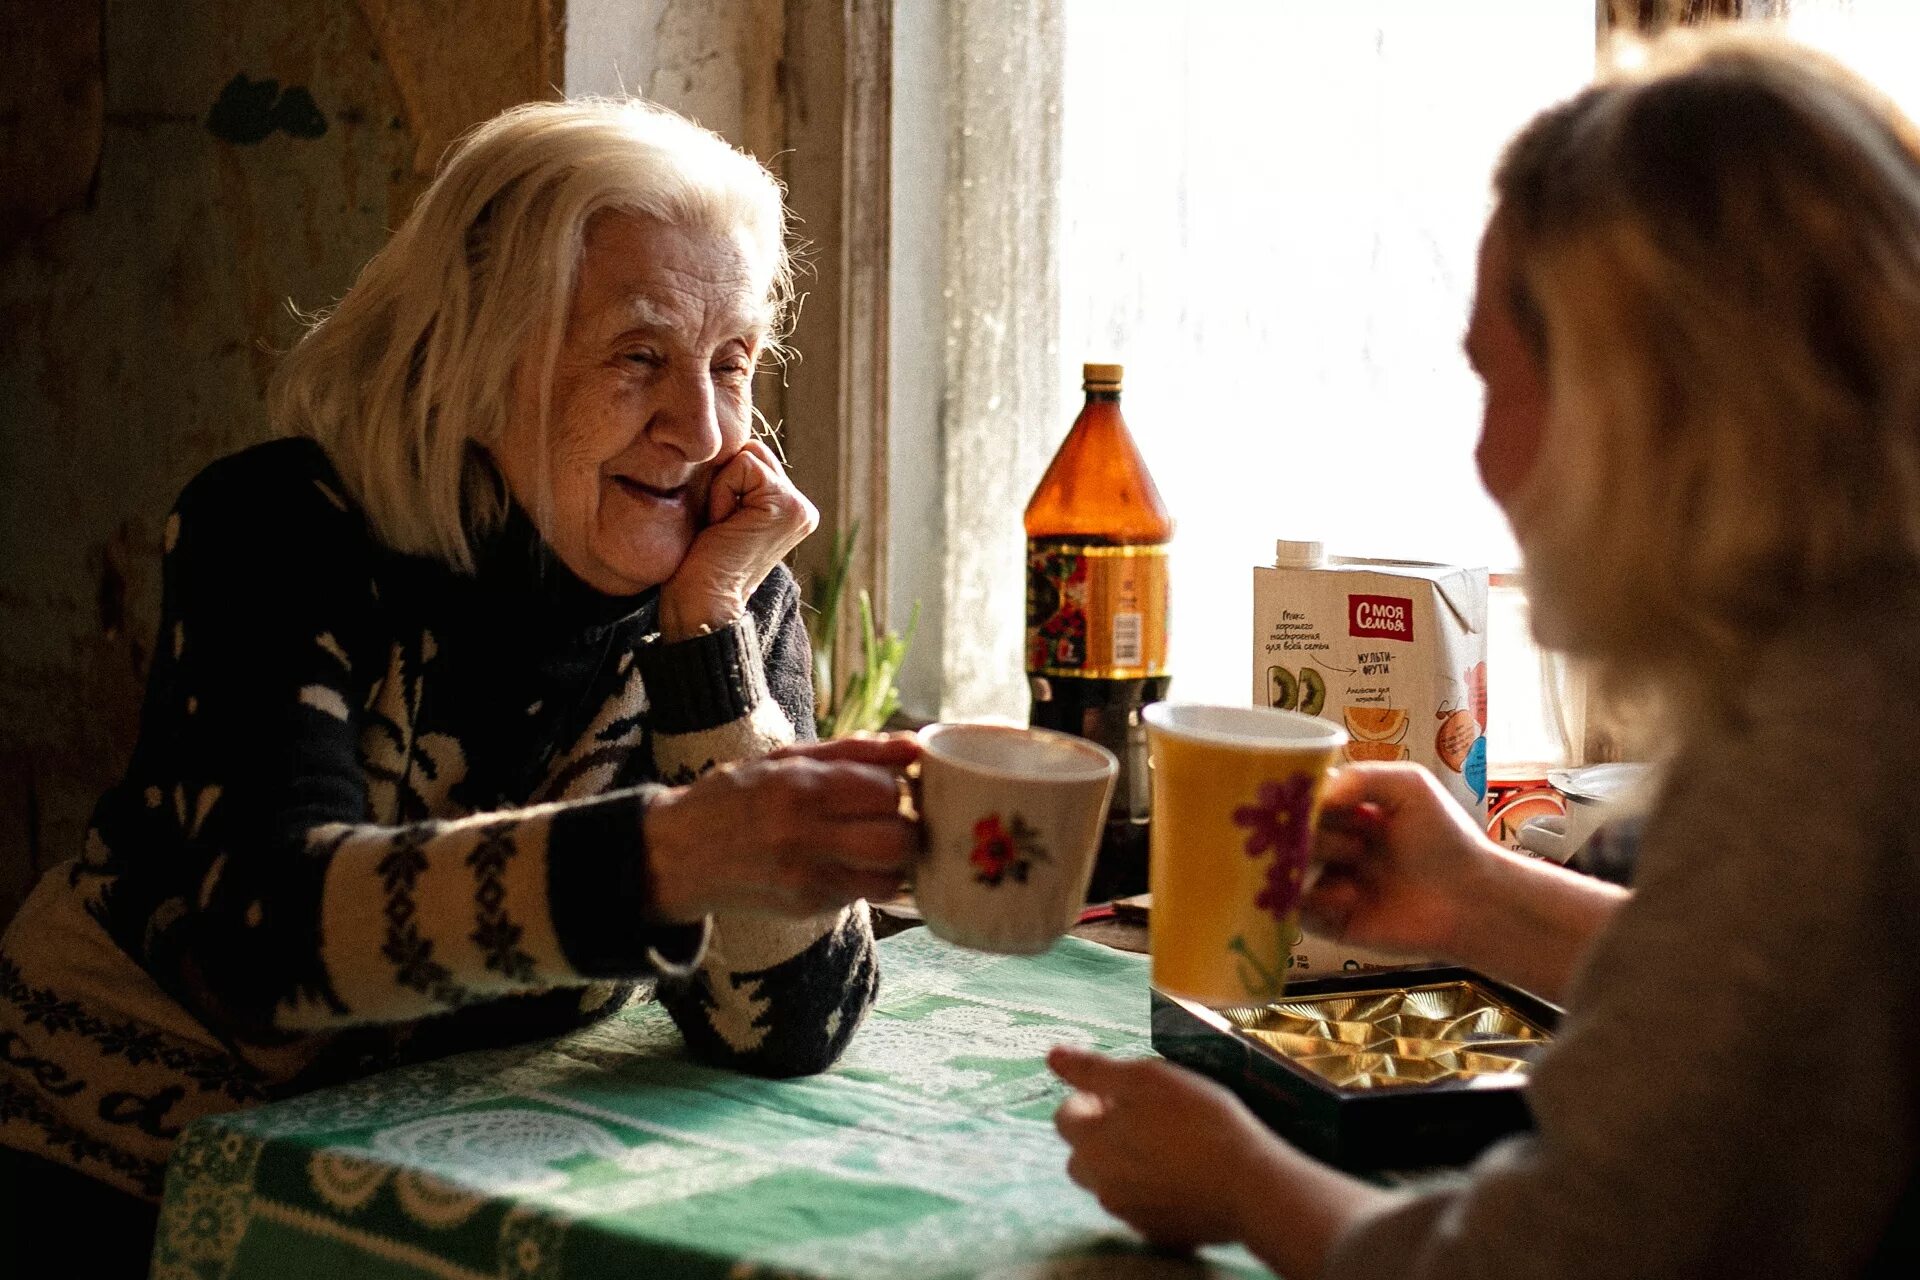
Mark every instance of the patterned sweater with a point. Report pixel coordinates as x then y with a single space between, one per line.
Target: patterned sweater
380 811
1736 1088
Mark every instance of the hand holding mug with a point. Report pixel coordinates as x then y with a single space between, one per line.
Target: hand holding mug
800 831
1399 862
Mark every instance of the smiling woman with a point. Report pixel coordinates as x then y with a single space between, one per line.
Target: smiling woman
428 754
640 438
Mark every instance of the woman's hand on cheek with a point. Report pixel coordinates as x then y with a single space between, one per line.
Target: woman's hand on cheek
755 516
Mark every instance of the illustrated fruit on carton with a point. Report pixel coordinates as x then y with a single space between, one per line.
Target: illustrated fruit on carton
1462 746
1475 679
1458 732
1305 692
1378 646
1375 733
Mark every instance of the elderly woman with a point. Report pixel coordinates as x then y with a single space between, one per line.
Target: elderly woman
435 750
1698 323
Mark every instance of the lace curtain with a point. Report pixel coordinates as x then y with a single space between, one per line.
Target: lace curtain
1877 38
1000 412
1021 210
1149 126
1655 15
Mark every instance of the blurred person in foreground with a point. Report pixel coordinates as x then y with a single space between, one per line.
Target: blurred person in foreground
1698 324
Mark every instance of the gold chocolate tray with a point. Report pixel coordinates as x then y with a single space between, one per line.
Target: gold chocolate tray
1424 1035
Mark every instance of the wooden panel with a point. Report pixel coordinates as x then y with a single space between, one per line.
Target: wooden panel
1650 16
458 62
837 87
253 154
52 110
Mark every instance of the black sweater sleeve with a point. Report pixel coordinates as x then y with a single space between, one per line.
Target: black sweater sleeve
252 861
778 998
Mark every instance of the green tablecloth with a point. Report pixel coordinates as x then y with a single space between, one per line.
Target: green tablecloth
927 1152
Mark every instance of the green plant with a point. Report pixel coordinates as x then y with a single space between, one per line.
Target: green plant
864 699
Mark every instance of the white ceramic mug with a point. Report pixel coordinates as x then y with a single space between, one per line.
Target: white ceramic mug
1012 820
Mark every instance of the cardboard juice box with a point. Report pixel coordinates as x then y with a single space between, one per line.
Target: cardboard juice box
1393 651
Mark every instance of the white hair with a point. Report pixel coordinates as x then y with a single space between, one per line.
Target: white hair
418 361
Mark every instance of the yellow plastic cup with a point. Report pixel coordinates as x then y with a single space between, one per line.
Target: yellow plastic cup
1236 791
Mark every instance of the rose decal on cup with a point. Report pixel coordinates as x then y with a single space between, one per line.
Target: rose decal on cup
1276 823
1000 852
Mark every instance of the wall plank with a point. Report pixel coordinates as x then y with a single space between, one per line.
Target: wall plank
250 155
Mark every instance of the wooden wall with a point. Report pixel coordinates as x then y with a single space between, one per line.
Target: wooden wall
172 174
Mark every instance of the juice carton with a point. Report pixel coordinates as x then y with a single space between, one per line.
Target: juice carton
1395 652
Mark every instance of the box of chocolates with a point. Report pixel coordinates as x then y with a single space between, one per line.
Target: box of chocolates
1407 1069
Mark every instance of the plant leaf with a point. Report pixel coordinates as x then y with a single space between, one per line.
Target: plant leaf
864 698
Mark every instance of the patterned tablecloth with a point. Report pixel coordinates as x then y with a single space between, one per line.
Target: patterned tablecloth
927 1152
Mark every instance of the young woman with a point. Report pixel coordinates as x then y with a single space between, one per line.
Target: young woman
1698 324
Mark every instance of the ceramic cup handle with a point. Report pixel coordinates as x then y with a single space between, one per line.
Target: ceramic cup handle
907 783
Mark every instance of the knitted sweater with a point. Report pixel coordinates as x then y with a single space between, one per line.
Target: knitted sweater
381 811
1736 1088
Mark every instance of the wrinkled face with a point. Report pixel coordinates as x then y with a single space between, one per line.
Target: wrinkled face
652 391
1515 411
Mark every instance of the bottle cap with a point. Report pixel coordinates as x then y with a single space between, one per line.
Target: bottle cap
1298 555
1103 376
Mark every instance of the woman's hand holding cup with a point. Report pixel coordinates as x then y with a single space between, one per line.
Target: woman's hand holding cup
795 833
1399 862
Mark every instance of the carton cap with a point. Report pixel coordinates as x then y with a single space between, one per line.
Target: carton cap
1298 555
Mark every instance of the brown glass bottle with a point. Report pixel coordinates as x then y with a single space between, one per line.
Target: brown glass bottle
1097 535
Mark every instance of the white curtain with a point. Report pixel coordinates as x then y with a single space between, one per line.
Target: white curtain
1285 271
1197 190
1877 38
1001 414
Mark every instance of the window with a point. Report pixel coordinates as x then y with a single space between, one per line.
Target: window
1877 38
1269 211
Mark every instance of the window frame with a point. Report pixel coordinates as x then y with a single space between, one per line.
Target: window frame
837 86
836 80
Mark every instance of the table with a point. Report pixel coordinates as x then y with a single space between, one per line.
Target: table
1120 933
928 1151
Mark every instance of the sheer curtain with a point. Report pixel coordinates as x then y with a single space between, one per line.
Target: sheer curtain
1000 410
1877 38
1271 213
1268 209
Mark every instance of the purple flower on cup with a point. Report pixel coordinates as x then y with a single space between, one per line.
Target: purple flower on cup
1276 824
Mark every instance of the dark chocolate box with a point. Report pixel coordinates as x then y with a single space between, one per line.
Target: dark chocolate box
1397 1069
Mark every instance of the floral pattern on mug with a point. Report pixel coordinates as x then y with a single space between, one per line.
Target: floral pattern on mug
1276 823
1000 852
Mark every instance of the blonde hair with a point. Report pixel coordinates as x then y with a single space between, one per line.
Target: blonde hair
418 361
1718 257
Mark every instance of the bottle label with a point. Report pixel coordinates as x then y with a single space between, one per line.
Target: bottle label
1098 612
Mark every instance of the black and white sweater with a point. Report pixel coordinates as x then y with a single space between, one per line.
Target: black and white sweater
381 811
